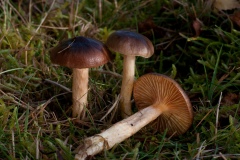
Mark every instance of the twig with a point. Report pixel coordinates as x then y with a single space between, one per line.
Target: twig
19 102
53 27
44 18
113 106
203 118
217 114
100 10
10 70
198 139
57 84
37 144
222 156
43 106
22 18
7 88
115 3
62 28
200 150
108 72
233 156
13 144
67 46
62 122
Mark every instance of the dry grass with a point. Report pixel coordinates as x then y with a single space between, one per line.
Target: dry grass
35 95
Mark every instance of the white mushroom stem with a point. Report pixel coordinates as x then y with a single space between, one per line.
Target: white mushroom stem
79 92
118 132
127 85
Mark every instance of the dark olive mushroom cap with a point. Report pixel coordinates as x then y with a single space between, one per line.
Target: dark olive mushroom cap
80 52
130 43
163 92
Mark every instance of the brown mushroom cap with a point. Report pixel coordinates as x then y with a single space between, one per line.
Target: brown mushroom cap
130 43
163 92
80 52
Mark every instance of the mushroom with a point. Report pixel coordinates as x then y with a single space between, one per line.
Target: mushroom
130 44
80 54
159 99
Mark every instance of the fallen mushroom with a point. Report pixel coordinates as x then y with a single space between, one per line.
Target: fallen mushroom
80 54
160 99
130 44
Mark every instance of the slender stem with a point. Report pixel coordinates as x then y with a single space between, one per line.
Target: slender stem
118 132
79 92
127 85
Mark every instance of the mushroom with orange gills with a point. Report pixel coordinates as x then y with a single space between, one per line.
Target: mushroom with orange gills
159 99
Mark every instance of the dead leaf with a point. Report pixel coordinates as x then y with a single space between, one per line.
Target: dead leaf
197 25
148 28
235 17
230 99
